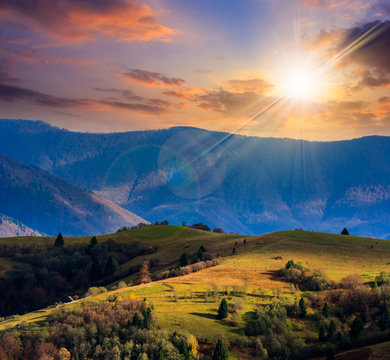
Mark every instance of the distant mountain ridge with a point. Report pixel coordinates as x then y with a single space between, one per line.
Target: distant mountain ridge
243 184
10 227
50 204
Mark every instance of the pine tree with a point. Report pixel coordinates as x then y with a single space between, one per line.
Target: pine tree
184 350
331 329
220 351
95 273
200 255
223 309
137 321
302 307
59 241
110 267
321 334
356 328
92 243
325 310
345 231
184 260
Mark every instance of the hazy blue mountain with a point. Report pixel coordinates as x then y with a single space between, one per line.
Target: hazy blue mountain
10 227
243 184
50 204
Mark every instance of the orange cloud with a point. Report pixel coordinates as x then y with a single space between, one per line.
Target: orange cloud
74 20
149 78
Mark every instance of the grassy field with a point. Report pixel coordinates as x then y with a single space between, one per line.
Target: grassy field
190 302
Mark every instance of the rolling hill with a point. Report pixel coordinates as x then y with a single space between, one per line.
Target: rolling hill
49 204
242 184
248 279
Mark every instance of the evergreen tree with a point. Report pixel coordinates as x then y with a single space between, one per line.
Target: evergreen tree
302 307
356 328
200 255
331 329
345 231
137 321
59 241
147 318
220 351
184 350
110 267
325 310
234 251
183 260
223 309
321 334
95 272
92 243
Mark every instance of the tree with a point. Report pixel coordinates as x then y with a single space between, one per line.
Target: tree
63 354
302 307
321 334
218 230
200 255
110 267
325 310
351 282
331 329
356 328
95 272
92 243
144 273
147 318
184 260
220 351
137 321
234 251
223 309
59 241
345 231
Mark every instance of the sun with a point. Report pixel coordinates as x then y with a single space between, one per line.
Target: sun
301 83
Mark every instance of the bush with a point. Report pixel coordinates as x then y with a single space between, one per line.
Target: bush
255 327
351 282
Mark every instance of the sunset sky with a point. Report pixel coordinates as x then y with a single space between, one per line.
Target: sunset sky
97 65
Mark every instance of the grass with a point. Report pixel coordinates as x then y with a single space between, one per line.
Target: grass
180 302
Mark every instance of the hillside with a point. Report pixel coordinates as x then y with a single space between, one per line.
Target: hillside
49 204
10 227
248 279
243 184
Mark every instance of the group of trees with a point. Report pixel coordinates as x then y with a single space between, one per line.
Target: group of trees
47 274
115 330
304 277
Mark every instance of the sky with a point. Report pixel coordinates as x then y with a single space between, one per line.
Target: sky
308 69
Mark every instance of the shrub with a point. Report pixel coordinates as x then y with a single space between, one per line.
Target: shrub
351 282
255 327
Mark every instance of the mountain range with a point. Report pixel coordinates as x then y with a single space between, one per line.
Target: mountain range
46 202
181 174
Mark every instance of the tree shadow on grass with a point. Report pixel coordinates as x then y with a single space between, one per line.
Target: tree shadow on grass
205 315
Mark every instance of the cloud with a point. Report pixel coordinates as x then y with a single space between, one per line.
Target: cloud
226 102
254 84
9 93
373 77
82 20
6 75
375 51
370 59
151 78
